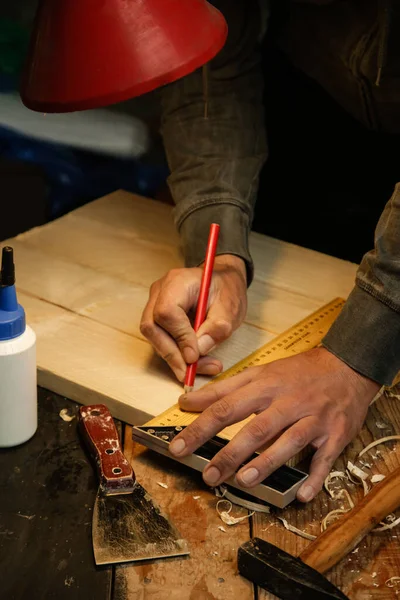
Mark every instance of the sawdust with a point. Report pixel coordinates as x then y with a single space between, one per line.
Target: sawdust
65 415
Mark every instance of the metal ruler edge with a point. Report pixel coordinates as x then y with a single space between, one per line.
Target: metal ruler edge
302 336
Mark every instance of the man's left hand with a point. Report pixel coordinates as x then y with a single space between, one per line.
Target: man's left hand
312 398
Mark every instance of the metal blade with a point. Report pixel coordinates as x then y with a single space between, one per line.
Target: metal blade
131 527
282 574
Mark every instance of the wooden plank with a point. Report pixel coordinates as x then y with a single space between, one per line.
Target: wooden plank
84 281
109 300
119 303
210 572
134 215
363 573
47 492
307 272
133 238
105 249
90 362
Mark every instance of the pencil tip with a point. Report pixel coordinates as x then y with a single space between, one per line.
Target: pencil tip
188 388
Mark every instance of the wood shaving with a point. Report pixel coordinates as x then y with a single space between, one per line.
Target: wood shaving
377 478
223 492
328 479
294 529
388 438
163 485
377 395
338 511
351 478
390 518
228 518
65 416
366 487
222 528
392 582
356 471
387 526
381 425
348 497
196 497
360 475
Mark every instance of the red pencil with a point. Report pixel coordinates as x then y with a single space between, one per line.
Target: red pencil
201 309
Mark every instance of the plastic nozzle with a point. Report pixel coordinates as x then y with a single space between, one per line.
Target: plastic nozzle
7 274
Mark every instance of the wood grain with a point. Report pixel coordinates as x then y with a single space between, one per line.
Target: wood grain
210 572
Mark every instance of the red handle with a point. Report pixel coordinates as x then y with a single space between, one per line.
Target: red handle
100 434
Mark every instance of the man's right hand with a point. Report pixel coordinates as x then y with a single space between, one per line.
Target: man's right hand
166 320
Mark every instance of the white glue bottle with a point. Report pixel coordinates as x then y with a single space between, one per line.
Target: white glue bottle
18 391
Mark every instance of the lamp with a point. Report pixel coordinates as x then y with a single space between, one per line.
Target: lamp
90 53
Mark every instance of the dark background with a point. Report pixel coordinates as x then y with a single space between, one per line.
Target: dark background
324 186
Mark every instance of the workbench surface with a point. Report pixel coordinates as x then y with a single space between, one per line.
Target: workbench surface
47 491
84 281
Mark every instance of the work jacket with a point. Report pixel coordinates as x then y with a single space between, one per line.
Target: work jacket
215 139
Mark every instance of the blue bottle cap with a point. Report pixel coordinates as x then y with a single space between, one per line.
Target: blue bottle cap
12 315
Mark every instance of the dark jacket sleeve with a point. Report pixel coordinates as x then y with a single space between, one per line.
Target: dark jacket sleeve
366 335
215 160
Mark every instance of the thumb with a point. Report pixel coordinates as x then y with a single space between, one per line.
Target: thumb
216 328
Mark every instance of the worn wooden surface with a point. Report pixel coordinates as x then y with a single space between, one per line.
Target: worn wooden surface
84 281
361 575
47 492
210 572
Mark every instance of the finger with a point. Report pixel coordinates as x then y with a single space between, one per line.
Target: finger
170 313
219 325
162 343
229 409
208 365
320 467
260 431
290 443
203 398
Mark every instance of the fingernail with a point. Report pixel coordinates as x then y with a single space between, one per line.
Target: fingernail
189 355
205 343
177 446
307 493
211 475
249 475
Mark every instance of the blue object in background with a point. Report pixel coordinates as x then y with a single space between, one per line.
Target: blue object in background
76 177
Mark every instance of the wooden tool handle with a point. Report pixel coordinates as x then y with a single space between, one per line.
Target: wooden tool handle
100 434
339 539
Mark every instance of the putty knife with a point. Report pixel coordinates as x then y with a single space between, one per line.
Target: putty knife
127 524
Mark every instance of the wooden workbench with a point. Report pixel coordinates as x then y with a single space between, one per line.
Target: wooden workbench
84 280
47 492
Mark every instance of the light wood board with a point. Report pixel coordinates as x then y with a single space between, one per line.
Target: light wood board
84 278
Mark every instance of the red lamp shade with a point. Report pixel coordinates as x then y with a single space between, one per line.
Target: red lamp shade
90 53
